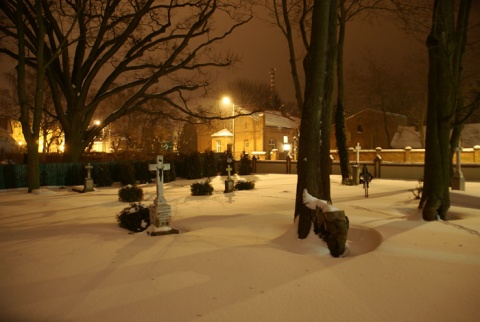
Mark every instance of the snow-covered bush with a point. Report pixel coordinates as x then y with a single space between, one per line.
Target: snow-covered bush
130 193
135 218
201 188
244 185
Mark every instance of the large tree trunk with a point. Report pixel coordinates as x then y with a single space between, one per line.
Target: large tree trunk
30 118
445 49
340 134
74 147
314 142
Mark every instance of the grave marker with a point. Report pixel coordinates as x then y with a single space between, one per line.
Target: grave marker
88 186
160 211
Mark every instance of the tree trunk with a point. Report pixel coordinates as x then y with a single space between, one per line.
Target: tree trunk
74 147
31 118
340 134
445 48
314 142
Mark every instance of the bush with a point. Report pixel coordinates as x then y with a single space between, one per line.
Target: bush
130 193
209 164
417 192
244 185
101 175
135 218
201 188
127 173
141 172
193 165
245 166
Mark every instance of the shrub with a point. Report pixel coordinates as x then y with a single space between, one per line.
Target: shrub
245 166
193 165
209 164
141 172
101 175
135 218
130 193
417 192
201 188
244 185
127 173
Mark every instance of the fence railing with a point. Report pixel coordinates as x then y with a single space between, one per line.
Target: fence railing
404 164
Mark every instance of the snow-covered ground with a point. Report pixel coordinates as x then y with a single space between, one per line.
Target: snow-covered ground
237 258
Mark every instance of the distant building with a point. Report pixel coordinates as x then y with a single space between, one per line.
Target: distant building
370 128
11 137
266 134
410 136
15 142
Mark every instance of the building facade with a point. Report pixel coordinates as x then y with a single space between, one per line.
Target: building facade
268 135
370 129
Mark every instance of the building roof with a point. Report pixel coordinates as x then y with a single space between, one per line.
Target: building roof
372 110
273 118
222 133
276 119
409 136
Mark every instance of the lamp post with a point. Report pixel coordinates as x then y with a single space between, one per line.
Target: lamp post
226 100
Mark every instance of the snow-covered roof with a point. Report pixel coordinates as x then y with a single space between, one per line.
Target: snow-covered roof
278 120
273 118
222 133
409 136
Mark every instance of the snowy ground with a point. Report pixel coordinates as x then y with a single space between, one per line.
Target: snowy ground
237 258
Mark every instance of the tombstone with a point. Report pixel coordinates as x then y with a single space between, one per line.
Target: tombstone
160 211
355 169
88 186
365 178
458 180
229 187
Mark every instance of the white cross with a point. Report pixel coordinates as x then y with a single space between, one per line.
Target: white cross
358 147
159 167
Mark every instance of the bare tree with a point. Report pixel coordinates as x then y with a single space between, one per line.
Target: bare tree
314 142
30 112
446 45
155 51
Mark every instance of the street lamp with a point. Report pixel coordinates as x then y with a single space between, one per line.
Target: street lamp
227 101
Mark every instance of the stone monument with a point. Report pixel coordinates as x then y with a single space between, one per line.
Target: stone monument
229 187
458 180
88 186
355 167
160 211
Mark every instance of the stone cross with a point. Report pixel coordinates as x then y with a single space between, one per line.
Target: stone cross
458 180
229 169
89 169
159 167
358 147
88 186
459 158
160 211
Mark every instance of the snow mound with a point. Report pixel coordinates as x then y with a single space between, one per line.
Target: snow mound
360 240
43 192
